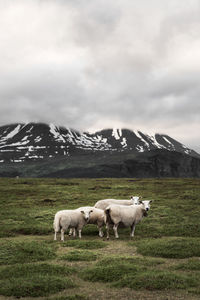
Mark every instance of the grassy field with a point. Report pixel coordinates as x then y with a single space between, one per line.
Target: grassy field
162 261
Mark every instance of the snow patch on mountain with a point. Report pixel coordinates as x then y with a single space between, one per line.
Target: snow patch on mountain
137 133
140 148
155 143
56 133
25 138
29 129
12 133
117 133
124 142
187 150
168 141
38 141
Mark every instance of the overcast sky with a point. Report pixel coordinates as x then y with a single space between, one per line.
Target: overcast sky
93 64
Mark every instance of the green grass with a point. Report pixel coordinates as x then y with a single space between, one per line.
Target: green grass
137 275
24 270
192 264
138 261
34 280
157 280
81 244
109 273
34 286
112 268
12 252
79 256
162 260
195 290
169 247
73 297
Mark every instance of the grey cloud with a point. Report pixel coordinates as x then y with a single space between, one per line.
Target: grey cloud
96 64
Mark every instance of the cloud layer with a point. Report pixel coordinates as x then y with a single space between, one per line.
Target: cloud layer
102 63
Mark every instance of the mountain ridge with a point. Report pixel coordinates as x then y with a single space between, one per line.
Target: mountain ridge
47 150
21 142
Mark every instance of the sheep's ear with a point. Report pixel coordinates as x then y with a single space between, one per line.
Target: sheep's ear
140 201
140 197
150 201
131 197
82 212
91 211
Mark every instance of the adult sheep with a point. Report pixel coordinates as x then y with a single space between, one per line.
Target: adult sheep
103 204
97 217
65 219
126 215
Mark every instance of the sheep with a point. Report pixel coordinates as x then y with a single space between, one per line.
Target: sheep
97 217
126 215
102 204
65 219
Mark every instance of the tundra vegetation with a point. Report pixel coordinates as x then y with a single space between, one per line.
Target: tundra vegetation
162 261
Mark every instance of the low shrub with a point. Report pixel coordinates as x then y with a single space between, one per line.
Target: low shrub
27 270
108 273
12 252
169 247
34 286
156 280
34 280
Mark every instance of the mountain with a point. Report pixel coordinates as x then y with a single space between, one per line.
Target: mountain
36 141
37 149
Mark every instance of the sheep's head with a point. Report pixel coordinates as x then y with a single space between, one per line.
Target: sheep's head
136 199
146 205
86 214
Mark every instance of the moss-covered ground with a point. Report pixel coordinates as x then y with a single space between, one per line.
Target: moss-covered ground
162 261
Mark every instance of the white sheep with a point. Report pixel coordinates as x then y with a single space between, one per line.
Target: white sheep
65 219
102 204
126 215
97 217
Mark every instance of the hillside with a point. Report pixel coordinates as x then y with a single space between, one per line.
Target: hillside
157 163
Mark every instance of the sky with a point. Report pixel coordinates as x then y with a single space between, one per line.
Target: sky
94 64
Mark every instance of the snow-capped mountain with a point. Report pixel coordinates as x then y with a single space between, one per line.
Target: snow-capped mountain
36 141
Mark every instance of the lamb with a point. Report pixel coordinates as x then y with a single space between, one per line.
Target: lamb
97 217
103 204
65 219
126 215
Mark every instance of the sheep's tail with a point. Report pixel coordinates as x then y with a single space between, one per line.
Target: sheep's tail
56 223
108 219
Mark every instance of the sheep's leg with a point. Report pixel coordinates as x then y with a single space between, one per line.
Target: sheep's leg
115 231
132 229
74 232
55 238
107 230
100 231
79 233
62 234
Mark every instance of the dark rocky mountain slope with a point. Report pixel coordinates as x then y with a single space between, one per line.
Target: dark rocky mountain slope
37 149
